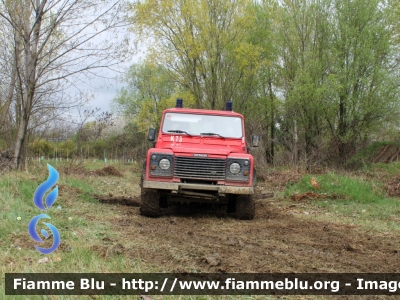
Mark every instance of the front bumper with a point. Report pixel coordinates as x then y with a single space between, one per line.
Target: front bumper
180 187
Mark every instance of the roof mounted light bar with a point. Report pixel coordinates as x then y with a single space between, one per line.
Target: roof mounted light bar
179 103
228 106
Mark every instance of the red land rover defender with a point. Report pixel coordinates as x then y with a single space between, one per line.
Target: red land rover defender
199 156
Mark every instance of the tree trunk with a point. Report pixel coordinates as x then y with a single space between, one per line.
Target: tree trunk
272 121
30 64
295 138
342 128
10 94
11 87
20 142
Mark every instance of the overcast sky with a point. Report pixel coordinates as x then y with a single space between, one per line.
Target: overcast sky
105 91
105 86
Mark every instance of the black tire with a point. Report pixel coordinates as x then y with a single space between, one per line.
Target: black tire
150 206
245 207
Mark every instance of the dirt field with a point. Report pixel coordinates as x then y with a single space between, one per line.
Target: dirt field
279 239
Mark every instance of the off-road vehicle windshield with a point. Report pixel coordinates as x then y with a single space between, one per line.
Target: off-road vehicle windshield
206 125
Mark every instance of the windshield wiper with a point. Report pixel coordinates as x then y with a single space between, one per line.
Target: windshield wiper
212 133
179 131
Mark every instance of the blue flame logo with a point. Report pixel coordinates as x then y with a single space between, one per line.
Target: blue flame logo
49 201
44 187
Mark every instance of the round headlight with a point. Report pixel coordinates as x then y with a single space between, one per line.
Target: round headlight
164 164
234 168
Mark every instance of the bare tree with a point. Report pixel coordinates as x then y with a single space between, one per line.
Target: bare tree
62 43
92 130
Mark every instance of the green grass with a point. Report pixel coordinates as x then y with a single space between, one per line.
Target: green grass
359 201
77 221
346 187
381 168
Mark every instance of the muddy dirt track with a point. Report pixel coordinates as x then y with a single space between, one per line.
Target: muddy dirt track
277 240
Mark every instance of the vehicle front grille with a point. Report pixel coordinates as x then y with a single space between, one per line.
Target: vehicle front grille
201 168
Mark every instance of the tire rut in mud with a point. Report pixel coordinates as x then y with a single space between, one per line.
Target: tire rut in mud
276 240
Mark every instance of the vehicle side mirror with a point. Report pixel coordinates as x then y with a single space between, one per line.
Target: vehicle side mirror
255 140
152 134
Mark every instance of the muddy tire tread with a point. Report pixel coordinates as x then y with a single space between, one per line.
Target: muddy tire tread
245 207
150 204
